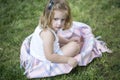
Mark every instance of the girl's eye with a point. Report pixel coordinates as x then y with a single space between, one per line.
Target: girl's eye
63 19
55 19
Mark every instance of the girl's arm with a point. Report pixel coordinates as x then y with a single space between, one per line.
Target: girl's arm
48 43
63 40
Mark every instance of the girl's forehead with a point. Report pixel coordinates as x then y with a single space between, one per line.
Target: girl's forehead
59 13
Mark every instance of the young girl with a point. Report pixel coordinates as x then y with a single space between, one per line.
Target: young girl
41 54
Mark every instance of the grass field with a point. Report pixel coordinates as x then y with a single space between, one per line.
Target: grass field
18 18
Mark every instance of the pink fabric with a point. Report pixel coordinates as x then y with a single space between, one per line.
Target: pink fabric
92 48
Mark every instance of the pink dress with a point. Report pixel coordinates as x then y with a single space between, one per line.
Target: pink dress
92 48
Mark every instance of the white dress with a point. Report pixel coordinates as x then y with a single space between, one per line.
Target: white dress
36 46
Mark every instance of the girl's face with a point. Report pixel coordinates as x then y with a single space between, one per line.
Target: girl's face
58 20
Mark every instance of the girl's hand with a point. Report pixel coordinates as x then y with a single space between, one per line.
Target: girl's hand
72 62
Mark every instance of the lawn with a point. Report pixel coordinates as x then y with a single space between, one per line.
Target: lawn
18 19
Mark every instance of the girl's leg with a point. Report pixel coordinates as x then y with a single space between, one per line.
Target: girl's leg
71 49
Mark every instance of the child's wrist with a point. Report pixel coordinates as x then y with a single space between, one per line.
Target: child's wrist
69 61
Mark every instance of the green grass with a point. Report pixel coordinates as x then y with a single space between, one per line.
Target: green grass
18 18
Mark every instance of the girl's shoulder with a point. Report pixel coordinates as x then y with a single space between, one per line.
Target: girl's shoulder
42 31
47 31
47 34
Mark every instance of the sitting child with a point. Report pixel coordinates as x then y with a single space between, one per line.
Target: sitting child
42 56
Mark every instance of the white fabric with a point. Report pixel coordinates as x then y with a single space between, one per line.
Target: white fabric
36 46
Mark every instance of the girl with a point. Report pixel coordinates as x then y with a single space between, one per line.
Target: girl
41 54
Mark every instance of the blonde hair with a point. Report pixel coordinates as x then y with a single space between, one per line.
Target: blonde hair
48 14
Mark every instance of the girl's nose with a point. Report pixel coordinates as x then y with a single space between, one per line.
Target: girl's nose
59 22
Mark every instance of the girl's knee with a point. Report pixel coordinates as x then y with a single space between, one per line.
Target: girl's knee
71 49
75 45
